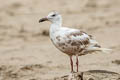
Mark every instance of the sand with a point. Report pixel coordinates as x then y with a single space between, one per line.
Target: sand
26 52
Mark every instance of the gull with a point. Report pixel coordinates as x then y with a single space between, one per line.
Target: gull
72 42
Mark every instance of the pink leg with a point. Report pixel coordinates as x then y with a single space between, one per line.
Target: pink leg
77 62
71 62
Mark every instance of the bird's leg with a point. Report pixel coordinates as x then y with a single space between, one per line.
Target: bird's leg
77 62
71 62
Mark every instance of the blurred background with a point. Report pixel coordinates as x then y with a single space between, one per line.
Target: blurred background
26 52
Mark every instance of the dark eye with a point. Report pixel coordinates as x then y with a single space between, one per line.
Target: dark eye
53 15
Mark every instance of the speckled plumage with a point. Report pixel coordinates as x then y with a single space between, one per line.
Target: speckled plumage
70 41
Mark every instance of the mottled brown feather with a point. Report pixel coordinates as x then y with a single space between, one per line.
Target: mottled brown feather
84 41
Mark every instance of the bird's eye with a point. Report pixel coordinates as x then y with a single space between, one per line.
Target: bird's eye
53 15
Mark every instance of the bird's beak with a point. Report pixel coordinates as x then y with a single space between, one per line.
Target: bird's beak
43 19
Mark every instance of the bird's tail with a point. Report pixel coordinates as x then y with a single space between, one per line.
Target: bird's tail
104 50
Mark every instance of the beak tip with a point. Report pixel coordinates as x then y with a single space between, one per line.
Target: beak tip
39 21
43 19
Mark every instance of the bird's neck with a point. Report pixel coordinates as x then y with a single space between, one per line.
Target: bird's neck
55 26
57 22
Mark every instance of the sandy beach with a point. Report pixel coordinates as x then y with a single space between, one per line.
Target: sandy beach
26 52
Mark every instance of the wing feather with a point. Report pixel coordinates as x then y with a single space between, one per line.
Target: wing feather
78 38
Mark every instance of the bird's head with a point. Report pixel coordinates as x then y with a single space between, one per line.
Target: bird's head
52 17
